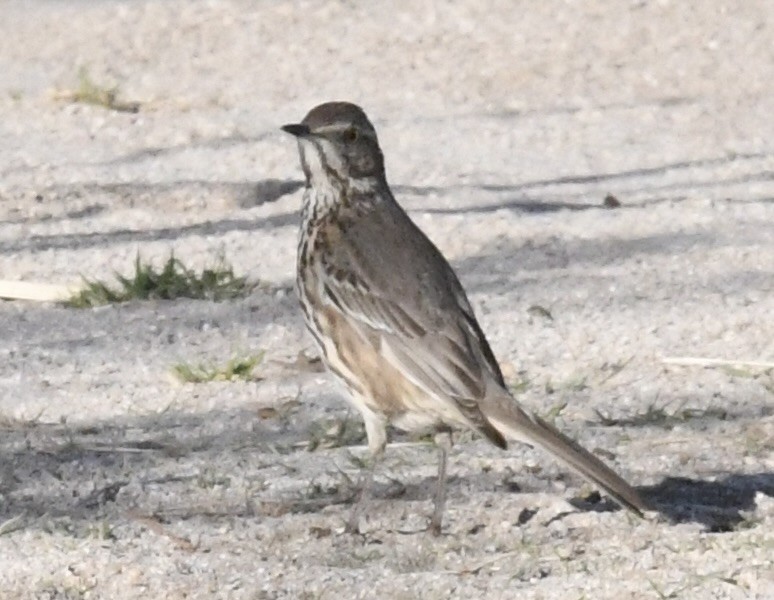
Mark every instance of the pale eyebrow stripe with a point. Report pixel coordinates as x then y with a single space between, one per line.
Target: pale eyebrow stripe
340 127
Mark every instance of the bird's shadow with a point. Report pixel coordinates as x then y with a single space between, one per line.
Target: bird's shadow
721 505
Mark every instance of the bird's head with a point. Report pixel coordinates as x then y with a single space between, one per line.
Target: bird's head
338 146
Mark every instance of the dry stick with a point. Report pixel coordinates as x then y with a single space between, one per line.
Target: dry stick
697 361
118 449
27 290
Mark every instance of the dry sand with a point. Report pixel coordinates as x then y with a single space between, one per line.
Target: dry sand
505 125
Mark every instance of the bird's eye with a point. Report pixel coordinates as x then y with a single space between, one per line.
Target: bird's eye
350 135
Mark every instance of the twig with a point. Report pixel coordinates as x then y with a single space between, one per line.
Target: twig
119 449
363 447
27 290
697 361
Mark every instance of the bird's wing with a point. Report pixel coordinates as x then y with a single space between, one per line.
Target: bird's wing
424 322
440 362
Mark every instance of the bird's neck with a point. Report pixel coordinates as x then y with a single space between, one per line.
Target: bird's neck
329 193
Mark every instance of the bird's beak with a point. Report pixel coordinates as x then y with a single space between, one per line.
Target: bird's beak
297 129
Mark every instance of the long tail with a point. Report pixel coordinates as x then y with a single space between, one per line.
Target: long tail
514 422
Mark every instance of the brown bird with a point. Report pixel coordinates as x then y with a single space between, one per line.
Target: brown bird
391 319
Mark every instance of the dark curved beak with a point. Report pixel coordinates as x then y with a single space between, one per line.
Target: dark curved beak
296 129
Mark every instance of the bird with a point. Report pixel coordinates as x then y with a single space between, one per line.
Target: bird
392 320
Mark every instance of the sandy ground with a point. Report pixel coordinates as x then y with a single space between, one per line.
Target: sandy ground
505 125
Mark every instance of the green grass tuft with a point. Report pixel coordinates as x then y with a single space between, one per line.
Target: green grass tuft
174 280
659 416
89 92
238 368
336 433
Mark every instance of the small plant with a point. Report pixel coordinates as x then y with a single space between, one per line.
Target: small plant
238 368
520 385
89 92
554 412
540 311
208 478
101 530
658 416
336 433
174 280
576 383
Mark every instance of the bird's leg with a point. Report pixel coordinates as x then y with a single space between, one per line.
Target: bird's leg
364 483
443 440
377 441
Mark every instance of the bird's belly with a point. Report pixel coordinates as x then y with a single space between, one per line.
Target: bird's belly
417 421
376 386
